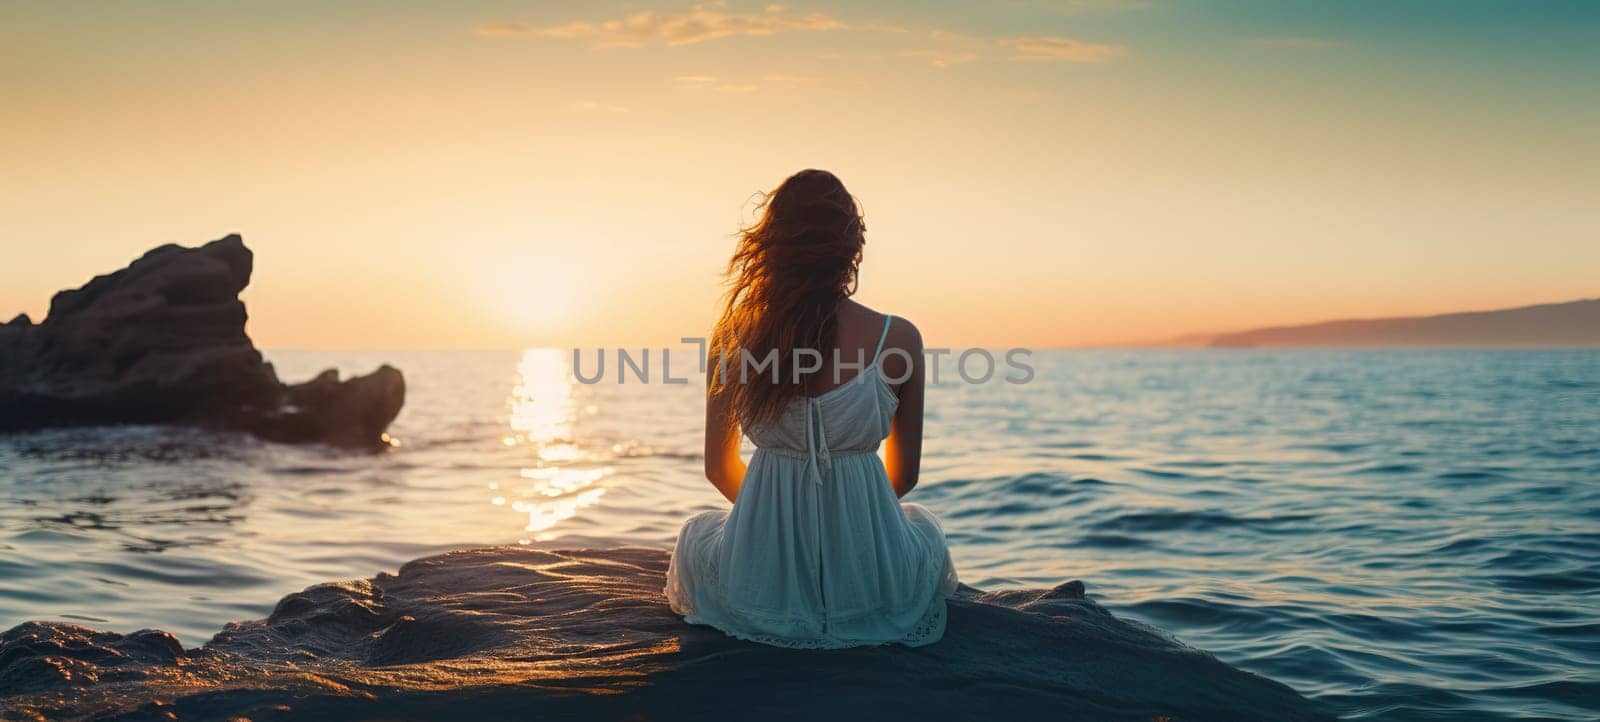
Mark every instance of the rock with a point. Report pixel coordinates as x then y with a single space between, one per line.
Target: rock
517 633
36 657
351 413
162 342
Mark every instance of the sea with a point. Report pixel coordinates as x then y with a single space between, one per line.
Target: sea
1398 535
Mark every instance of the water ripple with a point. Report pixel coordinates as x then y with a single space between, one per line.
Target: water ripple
1403 536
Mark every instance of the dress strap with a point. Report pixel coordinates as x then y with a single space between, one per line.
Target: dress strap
882 337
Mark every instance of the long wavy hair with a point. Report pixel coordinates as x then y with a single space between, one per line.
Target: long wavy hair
789 272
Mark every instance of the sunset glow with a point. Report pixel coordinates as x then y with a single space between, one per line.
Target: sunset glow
486 174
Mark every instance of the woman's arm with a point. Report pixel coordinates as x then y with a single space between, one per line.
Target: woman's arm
724 468
902 456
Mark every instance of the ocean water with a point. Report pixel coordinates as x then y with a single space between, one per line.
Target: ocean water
1405 535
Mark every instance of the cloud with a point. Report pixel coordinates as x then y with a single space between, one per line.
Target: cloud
784 80
1051 48
890 28
699 24
711 20
952 48
1098 6
941 58
713 83
1068 8
694 81
593 106
1293 42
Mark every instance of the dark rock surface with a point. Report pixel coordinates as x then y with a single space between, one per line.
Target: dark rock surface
162 342
517 633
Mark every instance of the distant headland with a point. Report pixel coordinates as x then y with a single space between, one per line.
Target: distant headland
1574 324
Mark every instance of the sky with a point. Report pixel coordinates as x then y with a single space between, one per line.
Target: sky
1091 172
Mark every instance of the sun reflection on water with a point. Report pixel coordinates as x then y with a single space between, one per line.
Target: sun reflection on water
542 401
544 411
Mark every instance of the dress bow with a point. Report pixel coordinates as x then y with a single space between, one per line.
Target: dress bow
817 456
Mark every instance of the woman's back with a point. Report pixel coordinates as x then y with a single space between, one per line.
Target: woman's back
817 551
854 412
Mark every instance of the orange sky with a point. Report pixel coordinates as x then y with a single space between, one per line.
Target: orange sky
497 174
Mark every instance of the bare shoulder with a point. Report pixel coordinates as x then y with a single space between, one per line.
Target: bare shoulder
904 334
902 342
902 351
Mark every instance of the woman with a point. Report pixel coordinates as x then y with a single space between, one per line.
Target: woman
817 551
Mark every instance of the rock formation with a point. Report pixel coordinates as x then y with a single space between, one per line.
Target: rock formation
517 633
162 342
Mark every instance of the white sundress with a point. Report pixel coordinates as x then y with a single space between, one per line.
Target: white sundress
817 552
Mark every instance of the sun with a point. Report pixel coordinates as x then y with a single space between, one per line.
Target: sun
531 302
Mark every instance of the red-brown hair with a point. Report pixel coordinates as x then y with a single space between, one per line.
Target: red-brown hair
786 278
